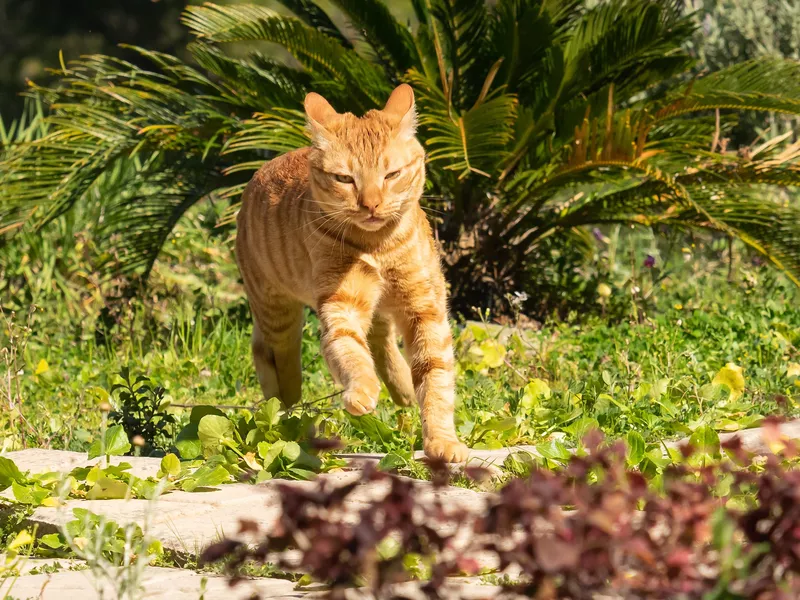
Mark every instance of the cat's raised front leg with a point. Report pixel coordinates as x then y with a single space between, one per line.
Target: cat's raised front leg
426 332
345 307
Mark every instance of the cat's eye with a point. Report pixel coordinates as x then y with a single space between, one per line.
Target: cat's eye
392 175
343 178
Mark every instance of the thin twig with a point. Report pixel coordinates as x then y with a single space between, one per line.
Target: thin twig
510 366
715 141
255 406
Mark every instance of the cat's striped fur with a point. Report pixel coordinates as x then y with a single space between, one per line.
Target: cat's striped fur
338 227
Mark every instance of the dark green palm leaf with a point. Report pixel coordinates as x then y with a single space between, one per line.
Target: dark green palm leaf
315 17
361 83
391 41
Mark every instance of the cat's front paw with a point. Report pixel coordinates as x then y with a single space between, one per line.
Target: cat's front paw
362 399
447 449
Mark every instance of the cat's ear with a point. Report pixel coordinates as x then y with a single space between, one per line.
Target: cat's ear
319 112
401 109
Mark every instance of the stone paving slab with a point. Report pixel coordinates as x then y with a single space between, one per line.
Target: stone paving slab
187 522
26 565
159 584
38 460
176 584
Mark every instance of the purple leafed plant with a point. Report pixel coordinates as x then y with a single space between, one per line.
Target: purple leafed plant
594 527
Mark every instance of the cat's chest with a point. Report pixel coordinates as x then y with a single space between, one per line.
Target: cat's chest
395 278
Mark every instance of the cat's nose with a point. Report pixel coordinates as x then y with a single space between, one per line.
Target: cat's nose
371 199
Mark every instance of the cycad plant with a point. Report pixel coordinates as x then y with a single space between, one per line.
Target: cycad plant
540 118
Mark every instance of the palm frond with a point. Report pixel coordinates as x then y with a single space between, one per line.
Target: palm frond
323 56
527 35
771 228
470 141
318 19
629 44
462 26
109 110
255 80
281 130
137 222
767 84
391 41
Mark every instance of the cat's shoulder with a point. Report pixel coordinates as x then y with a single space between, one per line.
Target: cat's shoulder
284 172
292 165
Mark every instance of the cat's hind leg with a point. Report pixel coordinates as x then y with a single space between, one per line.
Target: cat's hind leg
389 361
264 361
277 339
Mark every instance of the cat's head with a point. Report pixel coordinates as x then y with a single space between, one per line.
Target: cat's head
367 170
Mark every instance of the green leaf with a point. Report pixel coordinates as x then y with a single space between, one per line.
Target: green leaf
33 495
188 442
731 377
108 489
301 474
52 540
392 462
493 353
520 464
114 443
143 488
9 472
268 414
170 465
22 539
263 476
269 452
535 391
375 429
554 450
202 410
498 425
723 530
705 441
214 432
636 447
656 457
581 427
291 451
210 474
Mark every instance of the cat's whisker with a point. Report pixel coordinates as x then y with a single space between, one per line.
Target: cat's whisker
428 209
320 226
322 216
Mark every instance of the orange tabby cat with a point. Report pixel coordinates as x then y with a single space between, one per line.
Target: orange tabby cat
338 227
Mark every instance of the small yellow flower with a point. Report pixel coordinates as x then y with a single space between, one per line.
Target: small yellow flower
22 539
604 290
679 307
731 376
80 542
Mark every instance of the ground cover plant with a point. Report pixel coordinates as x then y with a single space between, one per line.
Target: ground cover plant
657 369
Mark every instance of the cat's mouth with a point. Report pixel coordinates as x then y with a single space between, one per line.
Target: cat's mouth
372 222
